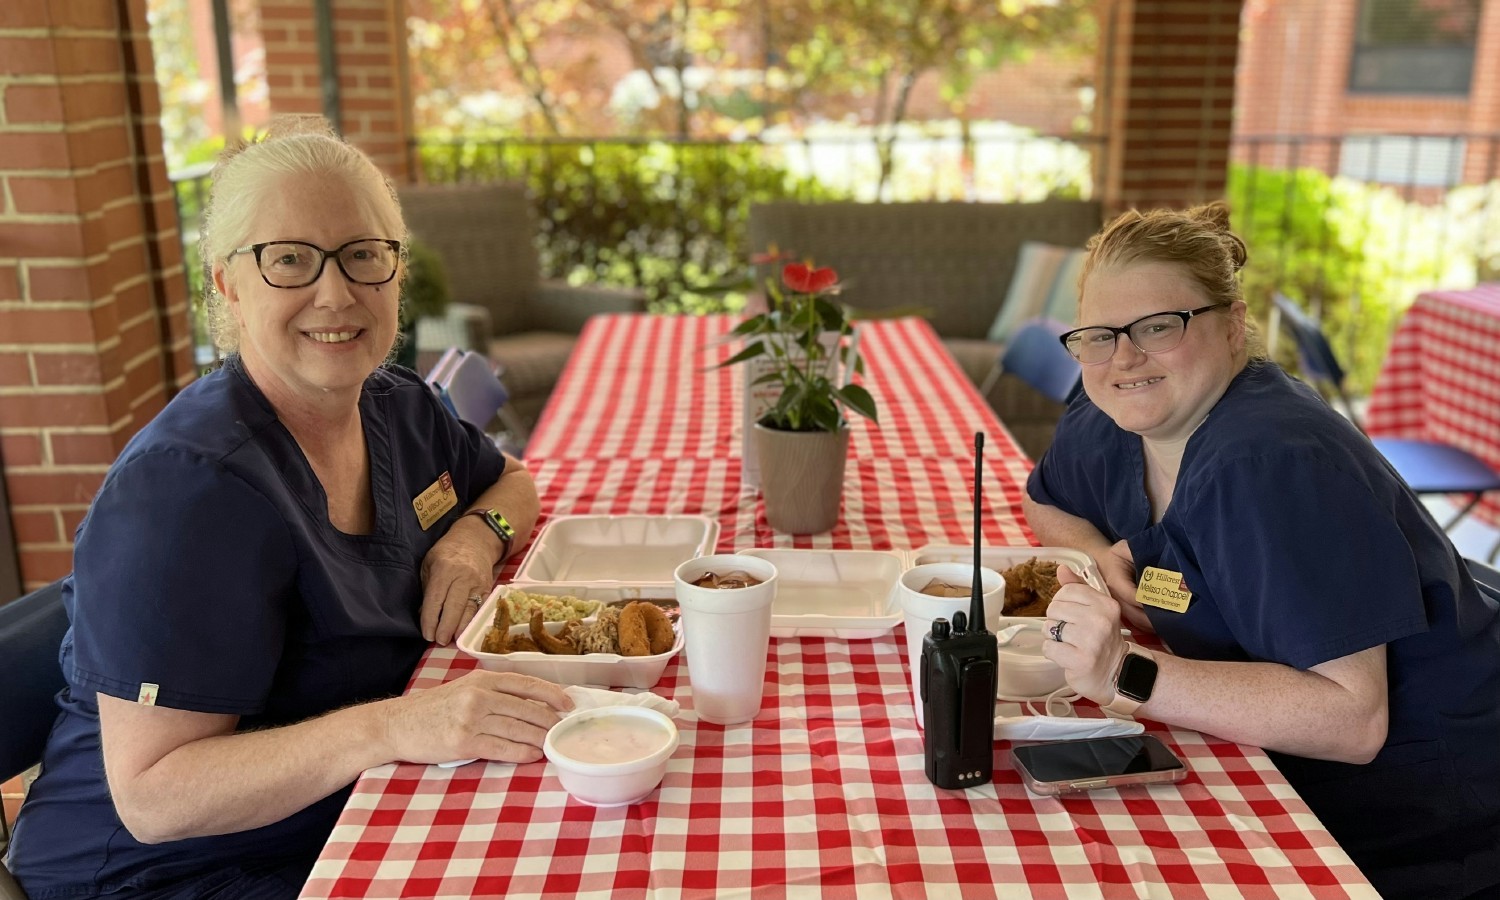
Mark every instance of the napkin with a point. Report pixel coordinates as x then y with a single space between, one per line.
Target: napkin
1061 728
593 698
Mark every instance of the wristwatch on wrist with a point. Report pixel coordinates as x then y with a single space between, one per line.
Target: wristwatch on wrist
498 524
1134 680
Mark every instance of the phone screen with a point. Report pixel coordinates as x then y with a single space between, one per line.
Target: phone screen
1068 761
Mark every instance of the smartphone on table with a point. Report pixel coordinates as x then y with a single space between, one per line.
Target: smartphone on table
1056 767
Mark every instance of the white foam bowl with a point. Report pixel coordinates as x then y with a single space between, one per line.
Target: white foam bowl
1024 671
611 784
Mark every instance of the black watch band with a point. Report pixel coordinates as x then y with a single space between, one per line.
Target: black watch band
498 524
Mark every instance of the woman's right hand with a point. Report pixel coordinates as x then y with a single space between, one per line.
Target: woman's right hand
482 715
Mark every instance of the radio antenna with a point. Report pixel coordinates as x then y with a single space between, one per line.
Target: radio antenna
976 596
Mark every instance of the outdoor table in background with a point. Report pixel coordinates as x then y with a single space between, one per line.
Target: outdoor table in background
1441 377
824 794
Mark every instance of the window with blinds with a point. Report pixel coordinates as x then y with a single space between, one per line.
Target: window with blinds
1414 47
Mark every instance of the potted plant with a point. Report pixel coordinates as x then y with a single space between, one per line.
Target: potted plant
424 293
802 440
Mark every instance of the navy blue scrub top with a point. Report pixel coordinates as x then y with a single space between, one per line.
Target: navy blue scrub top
207 567
1301 545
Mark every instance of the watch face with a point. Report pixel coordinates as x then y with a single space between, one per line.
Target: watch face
500 524
1137 677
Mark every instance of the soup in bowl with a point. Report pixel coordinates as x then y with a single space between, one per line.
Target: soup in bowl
612 756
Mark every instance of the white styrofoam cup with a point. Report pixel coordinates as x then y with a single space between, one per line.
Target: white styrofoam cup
921 609
726 634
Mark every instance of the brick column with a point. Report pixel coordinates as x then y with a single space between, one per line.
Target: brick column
1167 73
1483 162
370 56
94 335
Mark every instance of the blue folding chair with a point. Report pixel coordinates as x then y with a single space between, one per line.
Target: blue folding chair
31 632
1486 576
471 388
1036 356
1428 467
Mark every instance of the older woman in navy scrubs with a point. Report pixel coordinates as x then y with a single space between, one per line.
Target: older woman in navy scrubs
265 563
1313 606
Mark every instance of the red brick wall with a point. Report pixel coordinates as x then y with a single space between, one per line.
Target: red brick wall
1294 77
93 314
1167 74
370 53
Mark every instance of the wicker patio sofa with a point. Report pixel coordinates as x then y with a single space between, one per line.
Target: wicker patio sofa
955 259
485 236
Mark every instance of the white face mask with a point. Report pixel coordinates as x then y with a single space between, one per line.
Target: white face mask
1061 728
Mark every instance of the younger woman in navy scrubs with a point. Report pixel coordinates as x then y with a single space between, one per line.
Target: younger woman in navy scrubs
1313 606
265 563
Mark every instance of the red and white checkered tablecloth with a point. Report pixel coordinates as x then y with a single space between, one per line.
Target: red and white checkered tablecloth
823 795
1441 377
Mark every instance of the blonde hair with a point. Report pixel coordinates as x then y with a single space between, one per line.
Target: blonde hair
1198 240
290 145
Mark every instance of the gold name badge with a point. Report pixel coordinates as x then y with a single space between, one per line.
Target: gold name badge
436 500
1163 589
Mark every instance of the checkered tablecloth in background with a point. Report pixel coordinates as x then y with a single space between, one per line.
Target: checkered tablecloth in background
1441 377
824 794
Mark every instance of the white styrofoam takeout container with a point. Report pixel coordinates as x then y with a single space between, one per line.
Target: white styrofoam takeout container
621 550
1024 671
601 669
847 594
853 594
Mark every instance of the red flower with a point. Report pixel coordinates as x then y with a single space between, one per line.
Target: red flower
807 280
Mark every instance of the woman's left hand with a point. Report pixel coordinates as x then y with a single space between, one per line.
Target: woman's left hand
1088 623
457 575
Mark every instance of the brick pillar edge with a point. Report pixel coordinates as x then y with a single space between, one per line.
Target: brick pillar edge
94 335
369 51
1167 69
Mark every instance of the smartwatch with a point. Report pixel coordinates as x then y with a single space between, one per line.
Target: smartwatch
505 531
1134 680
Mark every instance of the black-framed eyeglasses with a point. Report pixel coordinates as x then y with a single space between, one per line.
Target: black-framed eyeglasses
295 264
1155 333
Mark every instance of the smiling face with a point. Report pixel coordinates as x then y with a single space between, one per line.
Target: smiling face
1161 396
302 344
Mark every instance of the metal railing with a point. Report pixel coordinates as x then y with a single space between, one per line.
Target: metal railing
670 217
1352 226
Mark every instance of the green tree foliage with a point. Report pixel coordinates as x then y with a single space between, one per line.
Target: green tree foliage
543 66
184 89
842 51
733 65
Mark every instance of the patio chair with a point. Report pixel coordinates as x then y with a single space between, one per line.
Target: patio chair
1486 576
956 260
501 306
31 631
1428 467
469 385
1033 383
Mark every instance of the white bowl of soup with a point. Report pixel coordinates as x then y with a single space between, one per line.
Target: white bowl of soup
612 756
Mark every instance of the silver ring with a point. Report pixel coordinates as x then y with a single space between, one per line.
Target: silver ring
1056 631
476 599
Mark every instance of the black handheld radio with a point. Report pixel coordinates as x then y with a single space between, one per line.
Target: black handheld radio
958 672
